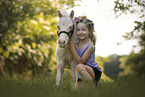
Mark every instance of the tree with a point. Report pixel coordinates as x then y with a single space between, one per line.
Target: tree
28 33
111 67
134 61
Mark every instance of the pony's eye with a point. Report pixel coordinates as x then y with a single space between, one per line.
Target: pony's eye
84 29
70 27
78 29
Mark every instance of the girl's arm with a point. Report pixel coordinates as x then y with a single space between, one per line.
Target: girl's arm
85 56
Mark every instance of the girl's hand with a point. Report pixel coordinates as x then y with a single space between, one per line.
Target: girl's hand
71 44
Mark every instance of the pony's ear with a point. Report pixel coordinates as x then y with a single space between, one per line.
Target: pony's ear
72 14
59 14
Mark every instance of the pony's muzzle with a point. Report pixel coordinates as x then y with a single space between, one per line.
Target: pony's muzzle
63 39
62 43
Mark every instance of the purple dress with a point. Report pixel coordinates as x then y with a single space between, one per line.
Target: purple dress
91 61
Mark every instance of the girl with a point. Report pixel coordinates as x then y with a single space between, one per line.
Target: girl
84 52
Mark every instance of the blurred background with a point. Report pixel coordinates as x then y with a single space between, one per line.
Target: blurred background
28 36
109 27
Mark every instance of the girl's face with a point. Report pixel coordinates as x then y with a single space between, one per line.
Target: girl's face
82 31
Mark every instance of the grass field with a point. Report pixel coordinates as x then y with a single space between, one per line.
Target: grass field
44 86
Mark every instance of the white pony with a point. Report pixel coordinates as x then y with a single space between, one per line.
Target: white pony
63 53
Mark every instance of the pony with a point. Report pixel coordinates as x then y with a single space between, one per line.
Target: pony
65 30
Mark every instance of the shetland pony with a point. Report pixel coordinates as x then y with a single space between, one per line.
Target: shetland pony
65 30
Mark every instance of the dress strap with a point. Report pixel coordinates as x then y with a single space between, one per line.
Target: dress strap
84 49
88 45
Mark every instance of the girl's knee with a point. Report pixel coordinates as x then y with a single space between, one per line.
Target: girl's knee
80 67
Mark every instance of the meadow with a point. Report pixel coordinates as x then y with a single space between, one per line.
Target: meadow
44 86
28 35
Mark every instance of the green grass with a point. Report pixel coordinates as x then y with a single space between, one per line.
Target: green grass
44 86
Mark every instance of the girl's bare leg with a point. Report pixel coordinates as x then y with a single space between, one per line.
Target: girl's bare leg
86 72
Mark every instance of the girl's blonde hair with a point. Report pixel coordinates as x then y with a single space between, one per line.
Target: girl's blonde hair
90 26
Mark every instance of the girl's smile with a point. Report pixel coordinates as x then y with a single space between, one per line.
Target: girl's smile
82 31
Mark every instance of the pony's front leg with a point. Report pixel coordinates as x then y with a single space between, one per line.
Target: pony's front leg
73 74
60 69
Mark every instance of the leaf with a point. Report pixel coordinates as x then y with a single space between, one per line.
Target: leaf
33 45
6 54
1 50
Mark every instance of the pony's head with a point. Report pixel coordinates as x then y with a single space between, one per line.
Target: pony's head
64 27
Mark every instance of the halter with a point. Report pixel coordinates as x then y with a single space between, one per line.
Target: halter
70 33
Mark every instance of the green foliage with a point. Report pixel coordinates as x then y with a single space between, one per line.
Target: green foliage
125 6
132 6
134 62
101 60
111 68
28 34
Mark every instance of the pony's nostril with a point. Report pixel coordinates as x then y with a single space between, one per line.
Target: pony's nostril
61 42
